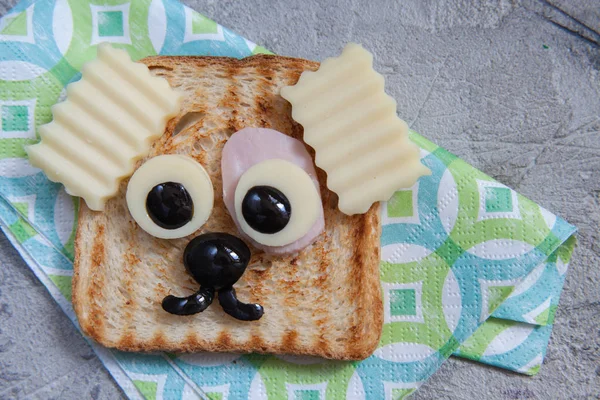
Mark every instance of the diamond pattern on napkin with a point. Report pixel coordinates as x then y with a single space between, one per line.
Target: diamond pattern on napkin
402 302
110 24
17 119
18 26
497 201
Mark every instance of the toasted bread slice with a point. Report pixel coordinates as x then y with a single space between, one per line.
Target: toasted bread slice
323 301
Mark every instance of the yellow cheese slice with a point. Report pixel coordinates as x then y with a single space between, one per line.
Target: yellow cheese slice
108 122
352 124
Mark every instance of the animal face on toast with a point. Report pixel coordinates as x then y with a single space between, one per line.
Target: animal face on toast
270 189
228 204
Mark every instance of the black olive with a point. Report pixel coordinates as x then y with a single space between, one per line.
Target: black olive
216 260
193 304
242 311
170 205
266 209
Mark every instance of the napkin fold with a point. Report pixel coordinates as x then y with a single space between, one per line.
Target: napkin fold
469 266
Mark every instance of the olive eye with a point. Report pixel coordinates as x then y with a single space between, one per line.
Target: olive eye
170 196
170 205
278 201
266 209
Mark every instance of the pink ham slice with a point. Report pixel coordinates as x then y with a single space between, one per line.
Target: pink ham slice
250 146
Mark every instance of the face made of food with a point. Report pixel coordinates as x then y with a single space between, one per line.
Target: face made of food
222 199
271 191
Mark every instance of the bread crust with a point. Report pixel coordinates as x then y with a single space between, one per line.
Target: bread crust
323 301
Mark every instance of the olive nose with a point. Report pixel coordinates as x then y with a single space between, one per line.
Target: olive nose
216 260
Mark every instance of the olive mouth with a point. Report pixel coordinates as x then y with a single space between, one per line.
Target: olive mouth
216 261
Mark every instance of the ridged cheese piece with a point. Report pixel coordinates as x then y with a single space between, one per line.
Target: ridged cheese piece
352 124
108 121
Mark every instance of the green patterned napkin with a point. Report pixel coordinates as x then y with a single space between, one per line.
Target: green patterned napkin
457 247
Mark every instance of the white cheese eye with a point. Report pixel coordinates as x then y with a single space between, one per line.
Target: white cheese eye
276 202
170 196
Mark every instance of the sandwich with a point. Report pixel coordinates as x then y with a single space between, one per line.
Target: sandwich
163 213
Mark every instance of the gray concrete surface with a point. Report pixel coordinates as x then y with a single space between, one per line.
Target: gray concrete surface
510 86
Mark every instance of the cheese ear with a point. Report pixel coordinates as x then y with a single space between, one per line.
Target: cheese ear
108 121
352 124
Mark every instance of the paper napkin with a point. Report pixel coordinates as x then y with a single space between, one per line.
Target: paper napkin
457 247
